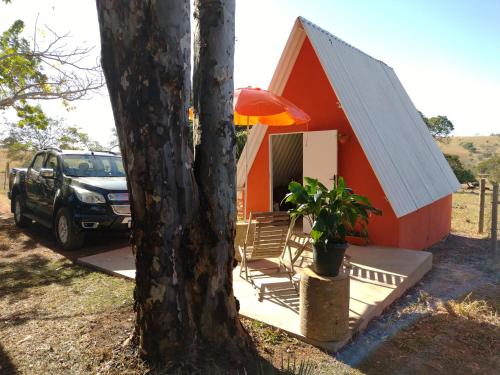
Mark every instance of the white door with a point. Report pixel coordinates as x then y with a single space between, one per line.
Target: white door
320 159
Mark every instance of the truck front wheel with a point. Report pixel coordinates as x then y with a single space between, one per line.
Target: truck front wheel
19 218
68 235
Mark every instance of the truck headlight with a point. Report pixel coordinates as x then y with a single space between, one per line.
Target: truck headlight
87 196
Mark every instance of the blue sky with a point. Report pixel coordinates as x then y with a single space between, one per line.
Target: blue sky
446 53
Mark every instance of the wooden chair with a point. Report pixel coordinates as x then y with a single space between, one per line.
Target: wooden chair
272 230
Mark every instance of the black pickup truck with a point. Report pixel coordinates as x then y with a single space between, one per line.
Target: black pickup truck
72 192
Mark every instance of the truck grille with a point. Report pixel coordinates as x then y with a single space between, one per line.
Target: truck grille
122 209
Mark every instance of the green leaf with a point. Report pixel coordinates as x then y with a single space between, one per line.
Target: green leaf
316 235
334 212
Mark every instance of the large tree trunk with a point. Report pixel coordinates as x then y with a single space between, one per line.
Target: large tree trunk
182 236
215 170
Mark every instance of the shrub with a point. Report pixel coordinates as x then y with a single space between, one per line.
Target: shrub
463 175
469 146
491 166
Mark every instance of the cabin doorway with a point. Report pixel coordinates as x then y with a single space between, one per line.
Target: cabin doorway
293 156
286 156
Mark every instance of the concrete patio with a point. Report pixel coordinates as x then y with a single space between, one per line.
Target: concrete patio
379 275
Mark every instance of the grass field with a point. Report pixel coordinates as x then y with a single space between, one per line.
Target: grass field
483 148
466 213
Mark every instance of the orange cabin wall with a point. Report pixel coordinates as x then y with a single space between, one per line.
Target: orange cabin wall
308 87
426 226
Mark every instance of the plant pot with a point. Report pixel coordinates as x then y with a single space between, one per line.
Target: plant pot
328 258
356 240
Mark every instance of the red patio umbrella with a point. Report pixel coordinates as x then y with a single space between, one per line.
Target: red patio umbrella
256 106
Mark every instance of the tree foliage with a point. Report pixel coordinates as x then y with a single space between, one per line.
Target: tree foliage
491 166
30 71
440 127
241 139
463 174
22 141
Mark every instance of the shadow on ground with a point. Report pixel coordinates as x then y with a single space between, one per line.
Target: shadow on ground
33 271
36 235
6 366
25 262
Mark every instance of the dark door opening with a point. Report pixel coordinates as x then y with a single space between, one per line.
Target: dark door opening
286 166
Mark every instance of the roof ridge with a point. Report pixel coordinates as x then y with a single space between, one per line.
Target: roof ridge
302 19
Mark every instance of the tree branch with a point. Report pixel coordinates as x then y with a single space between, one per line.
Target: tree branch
48 73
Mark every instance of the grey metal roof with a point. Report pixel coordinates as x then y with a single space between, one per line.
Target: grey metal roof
409 165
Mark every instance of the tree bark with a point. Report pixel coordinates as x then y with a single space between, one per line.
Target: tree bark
215 171
182 235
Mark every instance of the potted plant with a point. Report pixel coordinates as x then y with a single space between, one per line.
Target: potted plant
332 214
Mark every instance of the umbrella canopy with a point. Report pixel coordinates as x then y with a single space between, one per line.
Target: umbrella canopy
255 106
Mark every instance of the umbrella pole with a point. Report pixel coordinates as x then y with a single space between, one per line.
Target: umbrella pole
246 174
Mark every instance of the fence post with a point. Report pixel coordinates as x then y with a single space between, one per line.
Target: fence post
494 217
482 192
7 170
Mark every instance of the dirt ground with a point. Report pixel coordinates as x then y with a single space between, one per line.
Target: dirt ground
57 317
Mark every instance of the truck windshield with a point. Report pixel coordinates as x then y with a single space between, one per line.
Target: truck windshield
93 166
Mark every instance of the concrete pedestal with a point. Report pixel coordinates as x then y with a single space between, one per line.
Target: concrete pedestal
324 306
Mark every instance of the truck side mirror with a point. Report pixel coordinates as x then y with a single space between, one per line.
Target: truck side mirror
47 172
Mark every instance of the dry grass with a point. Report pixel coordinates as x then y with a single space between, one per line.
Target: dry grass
3 163
477 310
465 214
459 337
485 146
3 176
56 317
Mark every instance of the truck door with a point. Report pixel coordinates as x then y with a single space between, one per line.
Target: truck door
33 184
50 186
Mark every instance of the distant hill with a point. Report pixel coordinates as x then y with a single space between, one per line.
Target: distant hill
472 150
